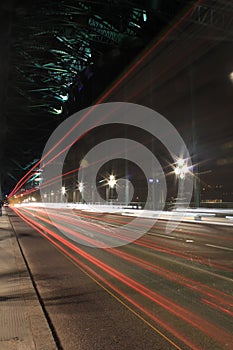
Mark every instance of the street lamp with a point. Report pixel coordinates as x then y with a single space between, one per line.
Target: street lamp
111 183
51 196
181 170
81 189
63 192
154 193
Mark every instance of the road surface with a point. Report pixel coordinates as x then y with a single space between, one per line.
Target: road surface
163 291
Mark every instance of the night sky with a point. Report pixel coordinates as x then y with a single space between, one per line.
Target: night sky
69 48
187 80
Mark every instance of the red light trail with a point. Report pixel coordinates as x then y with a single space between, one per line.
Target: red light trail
143 242
220 300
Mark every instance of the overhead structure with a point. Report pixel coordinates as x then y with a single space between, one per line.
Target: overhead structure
60 55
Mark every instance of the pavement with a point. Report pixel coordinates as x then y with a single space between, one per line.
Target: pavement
23 324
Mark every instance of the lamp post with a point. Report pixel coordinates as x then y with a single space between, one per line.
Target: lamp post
81 189
156 197
181 170
111 185
63 192
152 193
51 197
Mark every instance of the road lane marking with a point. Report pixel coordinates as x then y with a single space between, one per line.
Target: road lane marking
218 246
159 234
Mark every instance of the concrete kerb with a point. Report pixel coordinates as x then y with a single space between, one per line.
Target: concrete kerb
23 324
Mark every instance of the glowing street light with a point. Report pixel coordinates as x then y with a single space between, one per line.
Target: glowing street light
181 168
63 193
112 181
111 185
81 190
81 187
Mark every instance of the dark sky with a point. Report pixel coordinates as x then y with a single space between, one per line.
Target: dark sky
29 32
187 79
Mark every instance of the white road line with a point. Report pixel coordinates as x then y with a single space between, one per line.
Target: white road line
217 246
170 237
158 234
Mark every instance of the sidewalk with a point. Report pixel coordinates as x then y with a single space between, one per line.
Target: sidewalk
23 325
